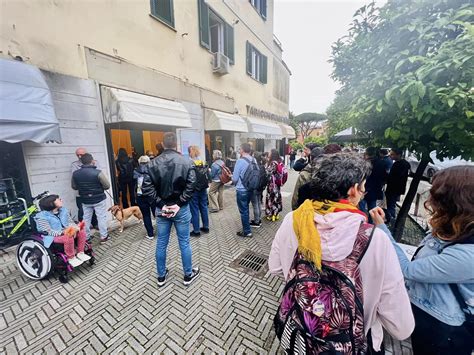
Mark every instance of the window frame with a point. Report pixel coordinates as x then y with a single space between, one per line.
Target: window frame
221 32
256 60
259 9
154 14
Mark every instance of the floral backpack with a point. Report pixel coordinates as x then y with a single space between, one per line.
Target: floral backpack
321 312
282 174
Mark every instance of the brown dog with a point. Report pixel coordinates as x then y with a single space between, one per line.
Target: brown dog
123 214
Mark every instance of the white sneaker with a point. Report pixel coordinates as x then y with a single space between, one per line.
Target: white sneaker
83 256
75 262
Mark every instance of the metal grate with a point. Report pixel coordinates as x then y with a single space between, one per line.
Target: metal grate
251 263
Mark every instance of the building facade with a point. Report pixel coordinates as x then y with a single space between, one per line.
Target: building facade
121 73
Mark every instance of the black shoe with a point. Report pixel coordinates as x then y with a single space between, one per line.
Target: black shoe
255 224
189 279
205 230
195 234
241 234
162 280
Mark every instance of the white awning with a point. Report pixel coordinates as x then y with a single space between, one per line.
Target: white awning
26 105
223 121
259 128
288 131
127 106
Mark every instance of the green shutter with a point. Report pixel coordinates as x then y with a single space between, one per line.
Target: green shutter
249 57
263 8
229 42
163 9
263 69
204 35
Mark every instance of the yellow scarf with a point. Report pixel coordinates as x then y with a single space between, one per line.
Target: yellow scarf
309 240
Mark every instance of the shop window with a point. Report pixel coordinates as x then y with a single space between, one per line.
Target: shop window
256 64
261 7
163 11
214 33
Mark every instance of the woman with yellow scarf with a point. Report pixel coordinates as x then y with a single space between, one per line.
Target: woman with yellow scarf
325 228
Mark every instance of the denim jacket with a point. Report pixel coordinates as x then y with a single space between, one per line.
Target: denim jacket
57 223
427 278
216 169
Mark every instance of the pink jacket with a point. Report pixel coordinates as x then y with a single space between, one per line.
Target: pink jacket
386 302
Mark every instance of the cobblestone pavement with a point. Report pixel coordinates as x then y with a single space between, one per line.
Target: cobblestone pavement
115 306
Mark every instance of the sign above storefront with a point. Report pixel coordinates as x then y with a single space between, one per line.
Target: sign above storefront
252 111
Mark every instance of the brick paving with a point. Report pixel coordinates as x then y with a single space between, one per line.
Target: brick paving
115 306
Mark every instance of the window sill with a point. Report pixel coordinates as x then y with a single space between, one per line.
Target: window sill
163 22
258 81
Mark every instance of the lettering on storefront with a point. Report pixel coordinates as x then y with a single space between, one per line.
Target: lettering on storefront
252 111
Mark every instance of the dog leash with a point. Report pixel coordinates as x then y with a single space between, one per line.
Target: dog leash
113 200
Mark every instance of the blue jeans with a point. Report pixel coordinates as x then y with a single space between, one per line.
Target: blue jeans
257 206
198 204
243 200
163 226
391 206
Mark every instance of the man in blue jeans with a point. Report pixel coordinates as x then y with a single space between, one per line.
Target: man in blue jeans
171 183
243 195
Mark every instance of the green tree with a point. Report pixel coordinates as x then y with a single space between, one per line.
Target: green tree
337 113
307 122
408 70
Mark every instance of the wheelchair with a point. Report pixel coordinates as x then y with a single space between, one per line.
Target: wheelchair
37 262
17 227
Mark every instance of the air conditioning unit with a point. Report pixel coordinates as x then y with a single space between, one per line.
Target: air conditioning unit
220 64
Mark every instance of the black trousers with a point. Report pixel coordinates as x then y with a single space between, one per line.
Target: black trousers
80 212
432 337
147 210
127 186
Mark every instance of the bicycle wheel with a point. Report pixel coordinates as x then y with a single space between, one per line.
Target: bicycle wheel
34 259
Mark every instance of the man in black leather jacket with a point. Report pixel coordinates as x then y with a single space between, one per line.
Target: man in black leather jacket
170 184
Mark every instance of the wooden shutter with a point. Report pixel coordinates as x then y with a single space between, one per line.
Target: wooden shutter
263 69
263 8
229 42
163 9
204 35
249 57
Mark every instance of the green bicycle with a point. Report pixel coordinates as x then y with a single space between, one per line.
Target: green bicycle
8 227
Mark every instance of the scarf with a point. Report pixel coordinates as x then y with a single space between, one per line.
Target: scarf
309 240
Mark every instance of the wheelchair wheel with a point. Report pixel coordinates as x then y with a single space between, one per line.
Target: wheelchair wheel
34 259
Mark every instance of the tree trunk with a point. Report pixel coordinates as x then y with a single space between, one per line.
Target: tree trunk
403 214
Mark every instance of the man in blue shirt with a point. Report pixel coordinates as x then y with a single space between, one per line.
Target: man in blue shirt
243 195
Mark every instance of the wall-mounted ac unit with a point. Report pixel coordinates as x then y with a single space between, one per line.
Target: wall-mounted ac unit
220 64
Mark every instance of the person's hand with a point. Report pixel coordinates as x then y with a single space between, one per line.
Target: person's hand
172 211
378 215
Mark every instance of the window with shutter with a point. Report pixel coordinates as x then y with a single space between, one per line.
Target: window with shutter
163 11
215 34
256 64
261 7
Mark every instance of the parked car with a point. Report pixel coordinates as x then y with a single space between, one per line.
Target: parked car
437 164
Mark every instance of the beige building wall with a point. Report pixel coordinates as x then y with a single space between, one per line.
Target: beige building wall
55 34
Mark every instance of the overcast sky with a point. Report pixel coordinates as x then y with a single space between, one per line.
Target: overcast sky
307 29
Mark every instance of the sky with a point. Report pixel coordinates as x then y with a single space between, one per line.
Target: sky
307 29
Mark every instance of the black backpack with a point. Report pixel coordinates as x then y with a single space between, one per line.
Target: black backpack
263 178
202 177
251 179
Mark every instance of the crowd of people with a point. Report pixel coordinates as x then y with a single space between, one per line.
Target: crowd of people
346 277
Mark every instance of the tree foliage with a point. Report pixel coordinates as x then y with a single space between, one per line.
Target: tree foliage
407 79
408 71
307 122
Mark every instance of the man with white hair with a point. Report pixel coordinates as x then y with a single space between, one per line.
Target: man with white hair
76 165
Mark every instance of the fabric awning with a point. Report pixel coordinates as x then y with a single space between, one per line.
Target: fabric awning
223 121
288 131
259 128
127 106
26 105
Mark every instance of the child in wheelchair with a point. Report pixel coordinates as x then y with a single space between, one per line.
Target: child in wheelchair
55 222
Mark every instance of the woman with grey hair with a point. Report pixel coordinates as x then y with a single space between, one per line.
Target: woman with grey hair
216 188
327 251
